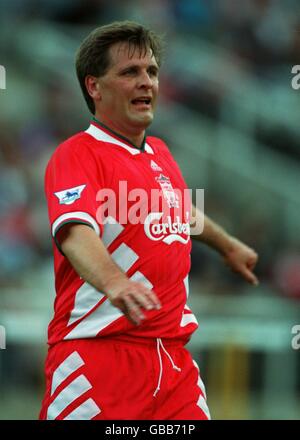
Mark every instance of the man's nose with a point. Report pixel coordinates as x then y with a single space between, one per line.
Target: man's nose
145 80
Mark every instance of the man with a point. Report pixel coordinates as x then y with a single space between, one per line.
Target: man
121 320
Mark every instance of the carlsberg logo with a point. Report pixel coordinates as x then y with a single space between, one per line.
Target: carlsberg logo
169 231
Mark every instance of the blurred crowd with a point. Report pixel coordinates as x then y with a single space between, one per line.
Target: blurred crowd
260 36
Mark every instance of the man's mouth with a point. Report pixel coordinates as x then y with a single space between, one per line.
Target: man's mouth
144 102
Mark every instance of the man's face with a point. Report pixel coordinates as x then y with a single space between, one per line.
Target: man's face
129 89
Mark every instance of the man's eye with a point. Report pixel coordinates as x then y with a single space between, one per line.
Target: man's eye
129 72
153 72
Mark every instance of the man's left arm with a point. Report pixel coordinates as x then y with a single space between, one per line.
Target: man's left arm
237 255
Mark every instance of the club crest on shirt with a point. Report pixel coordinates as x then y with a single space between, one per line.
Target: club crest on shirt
168 192
68 196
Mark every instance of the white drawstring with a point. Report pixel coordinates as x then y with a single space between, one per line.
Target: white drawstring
160 367
158 345
169 356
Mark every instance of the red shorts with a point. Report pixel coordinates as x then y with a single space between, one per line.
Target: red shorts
110 379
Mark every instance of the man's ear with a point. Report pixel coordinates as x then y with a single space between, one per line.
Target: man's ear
93 87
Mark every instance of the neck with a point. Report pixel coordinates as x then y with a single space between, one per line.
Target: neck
135 137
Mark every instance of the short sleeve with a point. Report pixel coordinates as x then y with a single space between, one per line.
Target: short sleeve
72 179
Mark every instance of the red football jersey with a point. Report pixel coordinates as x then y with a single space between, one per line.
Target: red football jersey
85 172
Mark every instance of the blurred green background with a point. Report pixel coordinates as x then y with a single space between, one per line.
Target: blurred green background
231 118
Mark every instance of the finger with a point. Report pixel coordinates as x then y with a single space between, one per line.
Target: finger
250 277
252 263
143 300
150 297
133 310
253 259
154 299
130 319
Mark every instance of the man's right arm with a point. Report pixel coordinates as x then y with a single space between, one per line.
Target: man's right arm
91 260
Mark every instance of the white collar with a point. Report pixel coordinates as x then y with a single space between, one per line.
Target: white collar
100 135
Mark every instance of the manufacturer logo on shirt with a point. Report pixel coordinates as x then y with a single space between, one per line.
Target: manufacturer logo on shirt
154 166
168 231
68 196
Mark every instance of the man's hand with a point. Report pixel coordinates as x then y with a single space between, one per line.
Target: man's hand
131 297
242 259
94 264
237 255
